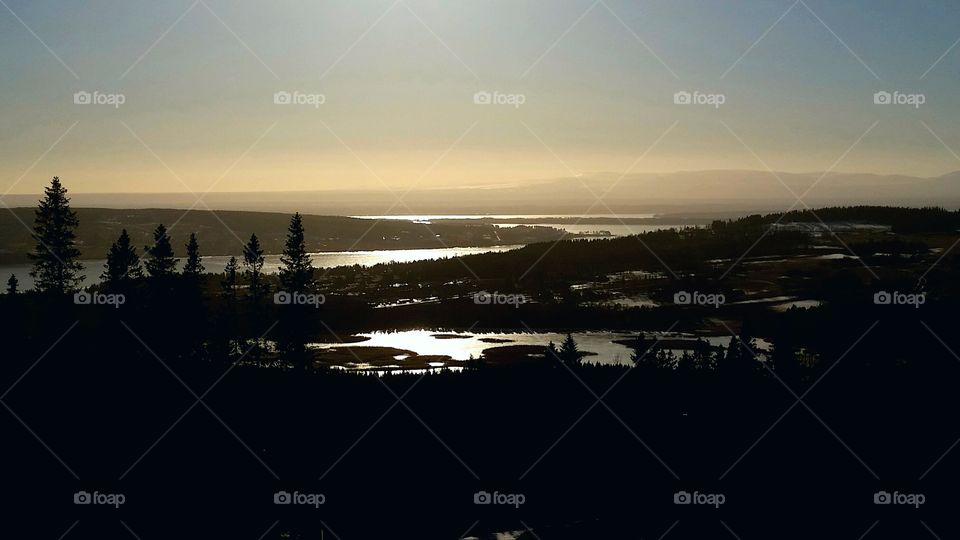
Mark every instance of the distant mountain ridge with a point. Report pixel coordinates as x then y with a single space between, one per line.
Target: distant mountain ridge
676 192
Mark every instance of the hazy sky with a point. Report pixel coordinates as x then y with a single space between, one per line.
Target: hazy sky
399 77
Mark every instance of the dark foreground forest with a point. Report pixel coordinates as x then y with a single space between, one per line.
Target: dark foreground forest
199 405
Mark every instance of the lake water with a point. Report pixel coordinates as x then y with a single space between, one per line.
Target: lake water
614 229
461 345
216 263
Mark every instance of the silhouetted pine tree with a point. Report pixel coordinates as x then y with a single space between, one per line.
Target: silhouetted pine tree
227 343
639 348
231 280
161 264
55 266
296 276
569 354
740 354
253 262
193 267
296 268
123 264
552 354
194 321
13 285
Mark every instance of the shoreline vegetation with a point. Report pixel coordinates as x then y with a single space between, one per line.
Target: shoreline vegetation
621 284
240 343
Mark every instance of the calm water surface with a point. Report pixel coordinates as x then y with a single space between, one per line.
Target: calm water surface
216 263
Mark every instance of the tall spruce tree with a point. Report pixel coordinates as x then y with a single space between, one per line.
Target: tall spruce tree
569 353
161 264
231 280
296 270
123 263
13 285
253 262
193 267
55 265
